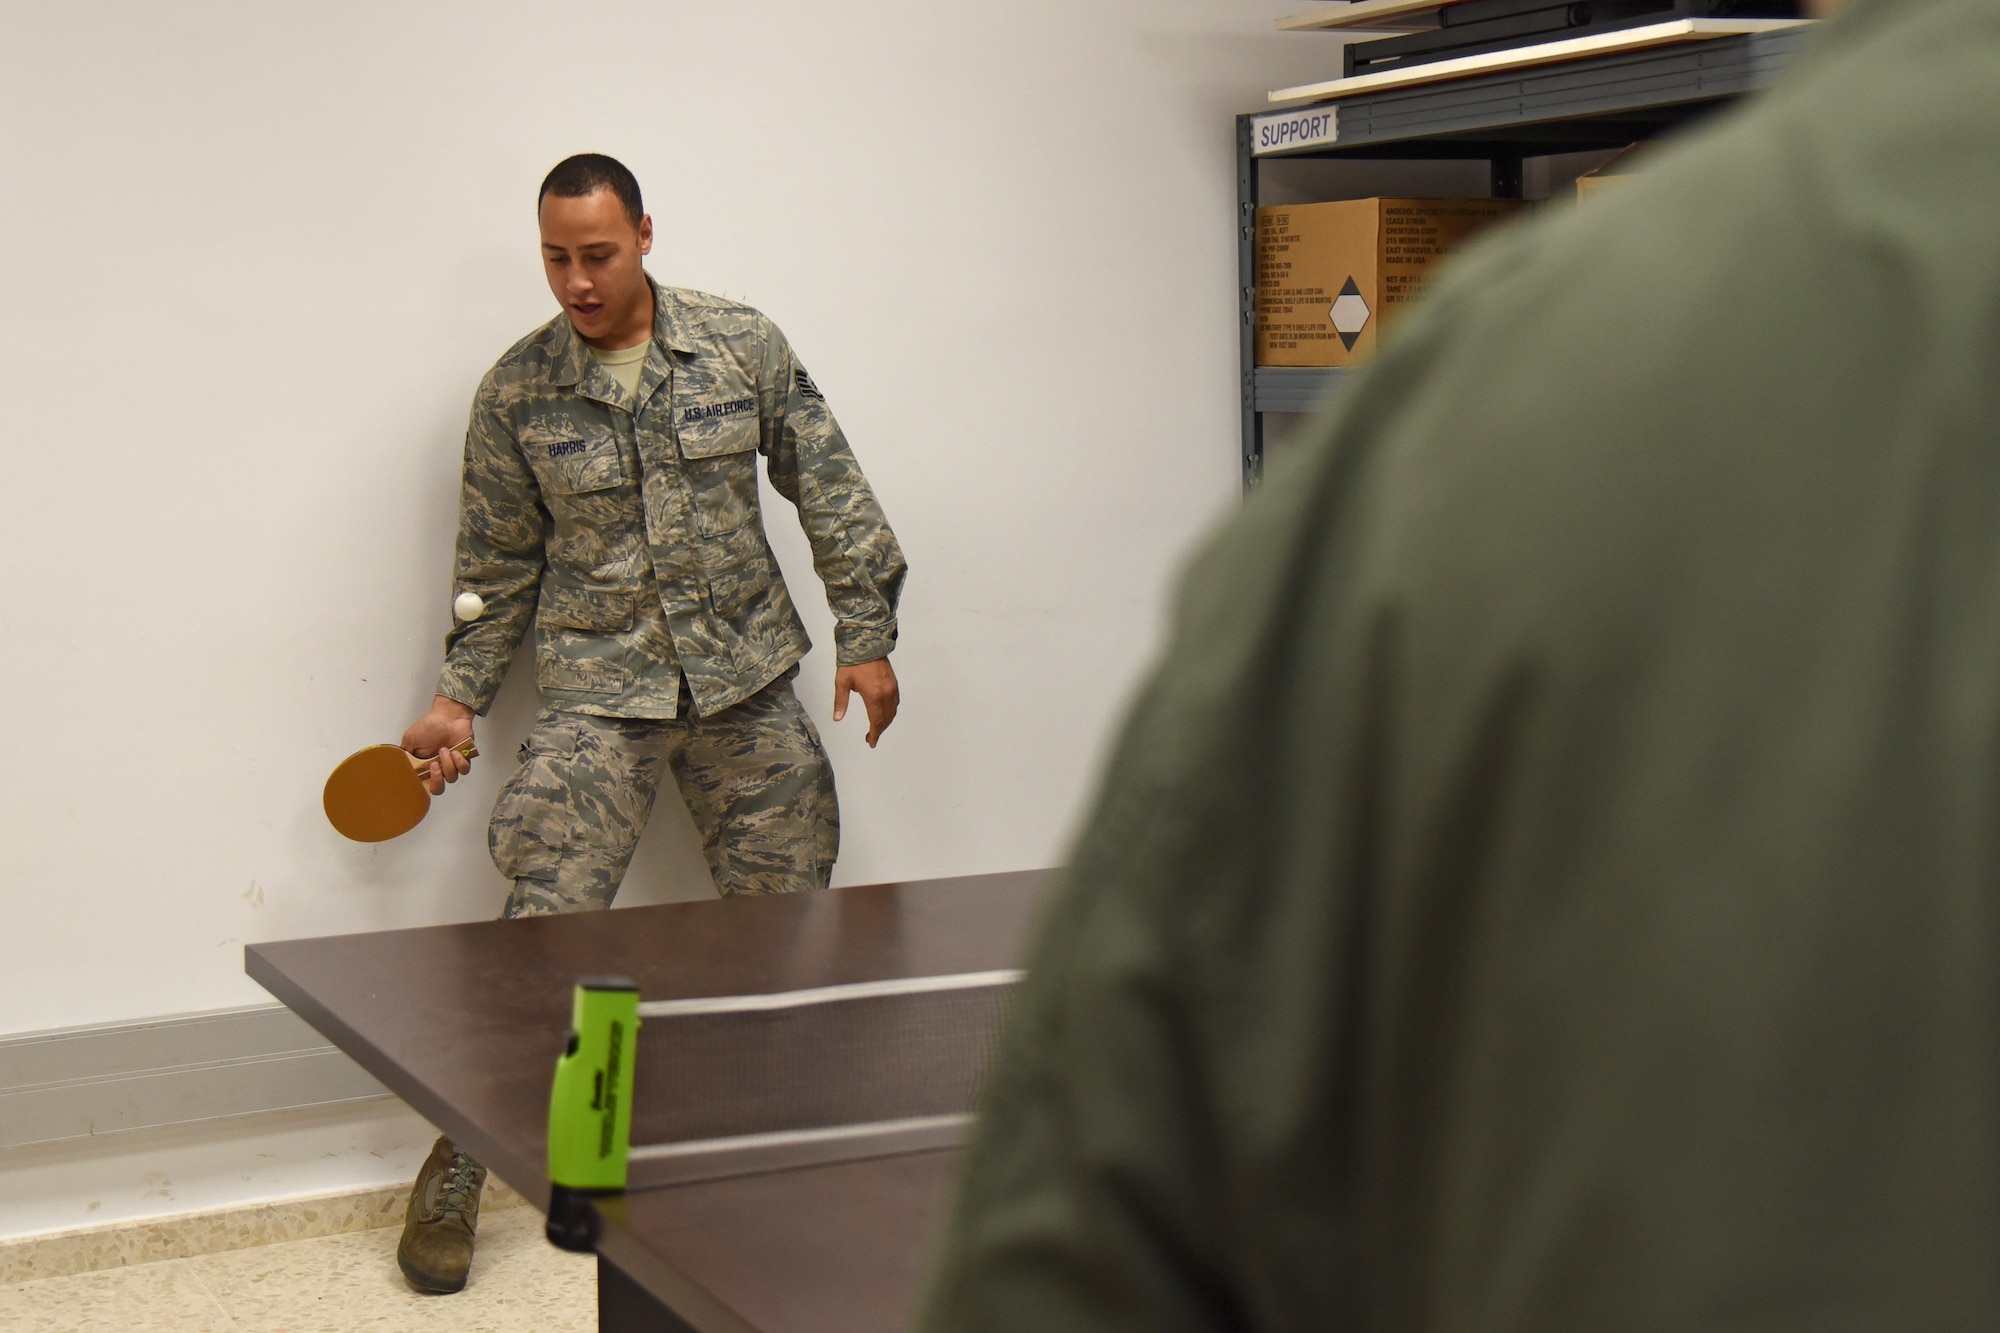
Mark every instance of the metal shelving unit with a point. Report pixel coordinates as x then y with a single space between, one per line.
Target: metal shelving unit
1504 119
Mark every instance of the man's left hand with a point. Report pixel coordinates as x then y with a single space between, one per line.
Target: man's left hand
875 682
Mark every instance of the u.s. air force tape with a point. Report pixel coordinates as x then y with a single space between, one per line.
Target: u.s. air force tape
804 383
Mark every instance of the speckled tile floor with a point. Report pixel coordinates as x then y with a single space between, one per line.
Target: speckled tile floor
330 1284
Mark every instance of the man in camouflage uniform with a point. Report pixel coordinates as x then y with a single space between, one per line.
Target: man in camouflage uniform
610 496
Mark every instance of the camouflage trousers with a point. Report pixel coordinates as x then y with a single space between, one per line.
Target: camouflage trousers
754 776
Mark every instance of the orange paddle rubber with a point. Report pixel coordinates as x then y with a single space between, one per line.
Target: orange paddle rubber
378 793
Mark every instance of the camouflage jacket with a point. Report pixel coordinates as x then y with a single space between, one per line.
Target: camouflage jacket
631 532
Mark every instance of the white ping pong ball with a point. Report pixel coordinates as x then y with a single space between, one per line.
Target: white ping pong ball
469 606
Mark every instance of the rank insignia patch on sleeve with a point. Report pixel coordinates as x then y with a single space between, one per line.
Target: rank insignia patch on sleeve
804 383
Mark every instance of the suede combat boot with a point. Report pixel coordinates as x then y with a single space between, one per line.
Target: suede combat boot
435 1253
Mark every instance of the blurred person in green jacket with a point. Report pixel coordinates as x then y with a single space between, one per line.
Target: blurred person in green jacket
1553 882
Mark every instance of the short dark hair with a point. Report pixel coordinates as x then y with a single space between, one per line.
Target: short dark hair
585 173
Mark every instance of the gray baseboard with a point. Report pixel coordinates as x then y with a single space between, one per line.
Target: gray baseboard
72 1083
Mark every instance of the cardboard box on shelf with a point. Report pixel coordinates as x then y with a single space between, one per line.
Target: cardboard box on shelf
1609 172
1329 275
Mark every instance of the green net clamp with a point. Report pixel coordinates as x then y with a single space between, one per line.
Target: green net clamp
590 1108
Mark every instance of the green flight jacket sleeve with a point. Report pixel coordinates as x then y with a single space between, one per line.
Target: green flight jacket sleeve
809 462
1170 985
501 530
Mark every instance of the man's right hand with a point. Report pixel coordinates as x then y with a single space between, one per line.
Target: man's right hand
432 737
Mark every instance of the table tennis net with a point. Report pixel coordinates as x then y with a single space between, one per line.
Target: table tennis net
734 1068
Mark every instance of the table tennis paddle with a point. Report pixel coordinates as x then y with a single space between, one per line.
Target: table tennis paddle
378 793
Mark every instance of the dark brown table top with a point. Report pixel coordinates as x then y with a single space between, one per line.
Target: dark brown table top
465 1022
836 1248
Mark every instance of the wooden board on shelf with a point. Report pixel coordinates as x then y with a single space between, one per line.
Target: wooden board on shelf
1523 57
1366 15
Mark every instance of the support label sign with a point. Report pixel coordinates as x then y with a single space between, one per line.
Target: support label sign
1294 129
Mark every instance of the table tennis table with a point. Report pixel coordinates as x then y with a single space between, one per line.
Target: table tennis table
760 1226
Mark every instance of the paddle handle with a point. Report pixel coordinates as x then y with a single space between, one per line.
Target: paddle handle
464 747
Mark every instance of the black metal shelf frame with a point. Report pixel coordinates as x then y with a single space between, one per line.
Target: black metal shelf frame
1604 102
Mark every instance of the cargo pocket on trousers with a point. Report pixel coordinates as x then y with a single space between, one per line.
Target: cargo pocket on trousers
532 817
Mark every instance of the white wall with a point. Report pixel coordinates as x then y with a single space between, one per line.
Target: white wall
256 257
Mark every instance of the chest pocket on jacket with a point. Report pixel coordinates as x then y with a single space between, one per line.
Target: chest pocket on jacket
601 611
721 463
572 462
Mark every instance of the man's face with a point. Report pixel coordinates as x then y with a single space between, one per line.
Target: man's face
591 253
